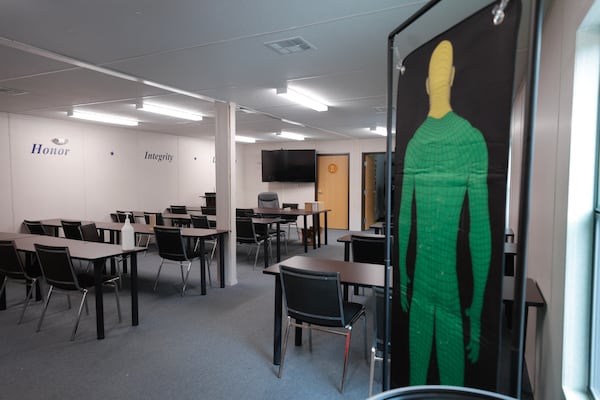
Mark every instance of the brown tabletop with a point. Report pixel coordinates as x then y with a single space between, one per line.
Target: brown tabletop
361 274
97 253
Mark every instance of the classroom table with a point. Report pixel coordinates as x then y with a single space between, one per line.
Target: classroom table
114 229
96 253
361 274
278 212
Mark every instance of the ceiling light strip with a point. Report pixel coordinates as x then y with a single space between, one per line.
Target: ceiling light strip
290 135
169 111
98 117
302 99
244 139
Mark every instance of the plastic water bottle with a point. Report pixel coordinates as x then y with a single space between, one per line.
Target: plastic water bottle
127 235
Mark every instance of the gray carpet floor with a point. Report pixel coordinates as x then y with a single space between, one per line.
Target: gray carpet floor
217 346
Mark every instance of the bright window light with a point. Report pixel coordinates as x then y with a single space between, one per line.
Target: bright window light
289 135
302 99
244 139
98 117
169 111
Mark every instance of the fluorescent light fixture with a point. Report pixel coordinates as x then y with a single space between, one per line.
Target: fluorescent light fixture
244 139
98 117
169 111
289 135
287 121
379 130
302 99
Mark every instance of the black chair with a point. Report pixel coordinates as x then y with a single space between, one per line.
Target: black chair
179 210
61 277
35 227
438 392
172 248
367 250
122 216
89 233
71 229
378 334
13 270
290 220
208 210
244 212
246 234
158 218
268 200
316 298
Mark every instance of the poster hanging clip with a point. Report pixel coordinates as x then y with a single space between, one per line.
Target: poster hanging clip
498 12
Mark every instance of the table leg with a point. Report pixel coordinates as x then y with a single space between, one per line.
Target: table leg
318 230
134 290
3 295
222 261
278 226
314 233
98 267
266 246
277 322
202 268
305 236
325 228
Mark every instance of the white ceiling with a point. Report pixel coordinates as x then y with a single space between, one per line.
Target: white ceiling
108 55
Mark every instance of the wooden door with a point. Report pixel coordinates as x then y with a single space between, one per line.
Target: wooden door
333 188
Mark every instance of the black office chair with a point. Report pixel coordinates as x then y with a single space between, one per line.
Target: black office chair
122 216
71 229
208 210
268 200
179 210
13 270
316 298
246 234
290 220
35 227
158 218
61 277
438 392
367 250
172 249
244 212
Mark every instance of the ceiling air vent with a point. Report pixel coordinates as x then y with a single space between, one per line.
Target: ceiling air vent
289 46
12 92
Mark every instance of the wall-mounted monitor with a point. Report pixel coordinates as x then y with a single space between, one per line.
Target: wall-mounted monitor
289 165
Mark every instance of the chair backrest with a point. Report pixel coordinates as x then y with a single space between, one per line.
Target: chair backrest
368 249
268 200
178 209
313 297
71 229
157 215
244 212
35 227
439 392
293 206
208 210
57 267
170 243
200 221
122 216
244 229
10 262
89 232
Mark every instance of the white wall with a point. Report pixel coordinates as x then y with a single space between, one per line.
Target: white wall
104 169
249 167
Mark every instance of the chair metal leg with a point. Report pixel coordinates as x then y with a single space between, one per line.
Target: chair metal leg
371 371
186 278
50 289
116 287
83 297
284 348
29 295
348 336
158 274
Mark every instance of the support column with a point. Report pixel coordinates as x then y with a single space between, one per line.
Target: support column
226 183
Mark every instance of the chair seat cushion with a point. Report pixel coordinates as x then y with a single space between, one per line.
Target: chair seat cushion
86 280
352 311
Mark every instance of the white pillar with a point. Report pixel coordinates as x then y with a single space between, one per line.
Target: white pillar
226 183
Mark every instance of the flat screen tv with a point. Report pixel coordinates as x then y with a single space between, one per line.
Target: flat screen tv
289 165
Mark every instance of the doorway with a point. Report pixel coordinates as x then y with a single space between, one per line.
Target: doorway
333 188
373 188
